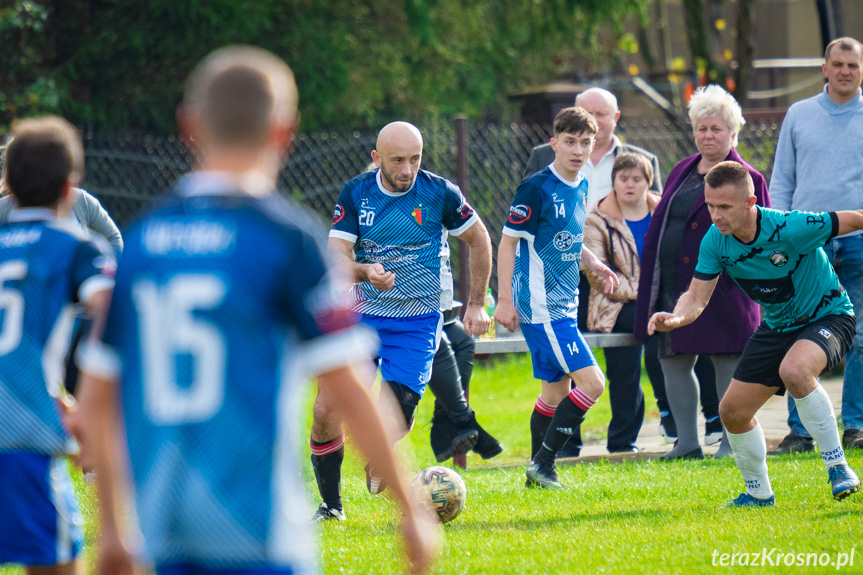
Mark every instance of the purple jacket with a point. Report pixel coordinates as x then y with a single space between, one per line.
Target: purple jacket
730 318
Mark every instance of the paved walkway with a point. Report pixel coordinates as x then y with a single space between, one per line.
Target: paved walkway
772 418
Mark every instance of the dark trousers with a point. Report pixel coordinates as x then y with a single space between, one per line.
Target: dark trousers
451 371
623 370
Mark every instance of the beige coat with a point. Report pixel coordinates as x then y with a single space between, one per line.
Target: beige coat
606 232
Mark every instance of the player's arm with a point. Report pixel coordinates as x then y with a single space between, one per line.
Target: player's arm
351 400
476 320
342 253
600 270
504 312
849 221
688 308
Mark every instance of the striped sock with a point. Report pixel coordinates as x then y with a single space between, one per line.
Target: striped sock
539 422
567 417
327 459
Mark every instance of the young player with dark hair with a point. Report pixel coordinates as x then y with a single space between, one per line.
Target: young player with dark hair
46 266
537 269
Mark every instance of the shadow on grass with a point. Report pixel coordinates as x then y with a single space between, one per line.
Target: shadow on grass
588 519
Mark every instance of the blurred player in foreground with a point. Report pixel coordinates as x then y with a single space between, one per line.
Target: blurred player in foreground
776 258
46 265
223 305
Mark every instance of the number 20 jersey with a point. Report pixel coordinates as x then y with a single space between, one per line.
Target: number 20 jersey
222 304
407 234
547 216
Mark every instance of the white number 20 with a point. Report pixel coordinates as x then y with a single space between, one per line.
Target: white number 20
12 306
169 328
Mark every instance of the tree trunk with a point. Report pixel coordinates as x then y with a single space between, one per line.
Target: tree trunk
745 50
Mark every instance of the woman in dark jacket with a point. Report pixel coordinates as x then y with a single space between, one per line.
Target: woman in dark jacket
671 246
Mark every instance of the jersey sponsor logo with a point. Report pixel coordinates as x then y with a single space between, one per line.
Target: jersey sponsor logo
15 238
106 264
464 211
563 240
825 333
518 214
778 258
816 221
569 257
188 238
338 214
420 214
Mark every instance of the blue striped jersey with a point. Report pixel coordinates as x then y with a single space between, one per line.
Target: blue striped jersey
406 233
547 216
223 305
46 266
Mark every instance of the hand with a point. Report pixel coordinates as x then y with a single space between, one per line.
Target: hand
506 315
421 533
608 277
476 320
663 321
379 277
70 417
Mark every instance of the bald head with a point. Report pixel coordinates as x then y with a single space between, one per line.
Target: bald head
602 105
398 155
239 93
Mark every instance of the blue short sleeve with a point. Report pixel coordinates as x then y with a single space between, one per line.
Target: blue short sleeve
524 212
345 221
458 215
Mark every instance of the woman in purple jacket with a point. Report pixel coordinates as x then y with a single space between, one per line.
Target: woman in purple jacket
671 246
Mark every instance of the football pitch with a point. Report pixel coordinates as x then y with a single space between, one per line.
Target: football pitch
631 517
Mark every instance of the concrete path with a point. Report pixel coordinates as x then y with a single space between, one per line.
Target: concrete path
772 418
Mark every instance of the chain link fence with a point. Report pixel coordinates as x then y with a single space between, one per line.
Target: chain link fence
126 172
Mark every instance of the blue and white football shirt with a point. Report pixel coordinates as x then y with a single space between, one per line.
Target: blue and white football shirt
406 233
547 216
45 267
223 304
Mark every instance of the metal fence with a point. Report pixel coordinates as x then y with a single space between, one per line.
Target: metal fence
126 172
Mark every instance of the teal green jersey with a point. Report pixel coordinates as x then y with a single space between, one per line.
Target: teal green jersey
784 268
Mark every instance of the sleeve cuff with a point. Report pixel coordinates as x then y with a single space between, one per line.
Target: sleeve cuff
517 233
98 359
465 226
347 236
92 285
834 222
705 277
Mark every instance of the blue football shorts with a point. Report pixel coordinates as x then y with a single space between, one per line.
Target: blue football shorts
556 348
408 346
40 523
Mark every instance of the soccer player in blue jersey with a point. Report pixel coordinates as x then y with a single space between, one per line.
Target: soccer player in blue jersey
390 229
776 258
537 272
223 304
46 266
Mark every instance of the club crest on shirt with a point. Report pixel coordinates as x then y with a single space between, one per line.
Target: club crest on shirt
519 214
464 211
778 258
420 214
563 240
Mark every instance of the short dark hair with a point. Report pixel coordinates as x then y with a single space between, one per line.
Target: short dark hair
630 161
574 120
43 154
730 173
846 43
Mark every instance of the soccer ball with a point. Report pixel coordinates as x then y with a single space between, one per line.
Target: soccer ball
442 489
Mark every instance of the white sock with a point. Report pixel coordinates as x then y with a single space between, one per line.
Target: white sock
816 413
750 453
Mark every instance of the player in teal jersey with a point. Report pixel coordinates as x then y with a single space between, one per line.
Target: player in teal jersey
776 258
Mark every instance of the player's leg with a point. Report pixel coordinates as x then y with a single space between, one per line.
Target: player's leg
724 367
451 433
818 347
846 255
682 391
328 451
570 352
463 347
739 405
40 524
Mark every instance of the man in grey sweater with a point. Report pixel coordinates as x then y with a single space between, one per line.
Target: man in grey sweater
819 167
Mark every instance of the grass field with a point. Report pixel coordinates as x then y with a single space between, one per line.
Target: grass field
636 517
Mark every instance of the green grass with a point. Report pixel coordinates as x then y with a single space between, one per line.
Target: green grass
637 517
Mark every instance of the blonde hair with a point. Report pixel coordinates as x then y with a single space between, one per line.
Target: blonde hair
713 100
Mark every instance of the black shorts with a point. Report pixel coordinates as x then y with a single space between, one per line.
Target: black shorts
766 349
